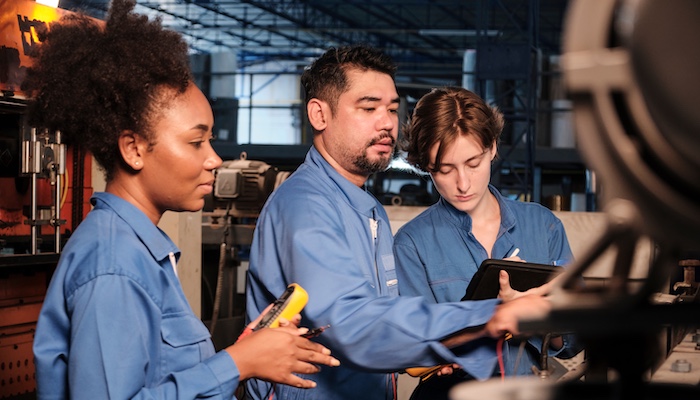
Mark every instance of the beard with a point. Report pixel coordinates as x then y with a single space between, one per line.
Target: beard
368 167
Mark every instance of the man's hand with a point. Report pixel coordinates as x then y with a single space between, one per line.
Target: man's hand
505 319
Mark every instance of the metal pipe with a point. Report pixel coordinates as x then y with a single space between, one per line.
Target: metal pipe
57 214
59 169
35 148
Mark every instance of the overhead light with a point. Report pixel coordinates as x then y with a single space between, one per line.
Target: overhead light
459 32
50 3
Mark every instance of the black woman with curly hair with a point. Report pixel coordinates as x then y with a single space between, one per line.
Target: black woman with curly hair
115 322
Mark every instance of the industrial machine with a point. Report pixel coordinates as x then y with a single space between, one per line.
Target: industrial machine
44 192
241 188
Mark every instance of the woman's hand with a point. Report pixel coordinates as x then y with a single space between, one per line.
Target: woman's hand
506 292
276 354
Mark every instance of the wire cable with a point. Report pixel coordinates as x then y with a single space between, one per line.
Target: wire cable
521 349
65 182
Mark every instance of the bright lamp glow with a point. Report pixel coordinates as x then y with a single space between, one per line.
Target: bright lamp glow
50 3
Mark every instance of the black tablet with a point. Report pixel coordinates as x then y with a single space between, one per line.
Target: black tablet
523 276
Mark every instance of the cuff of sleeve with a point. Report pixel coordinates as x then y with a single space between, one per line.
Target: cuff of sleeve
478 362
225 371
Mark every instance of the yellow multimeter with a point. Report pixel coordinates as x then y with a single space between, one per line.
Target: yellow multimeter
289 304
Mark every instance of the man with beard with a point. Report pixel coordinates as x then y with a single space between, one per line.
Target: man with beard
322 230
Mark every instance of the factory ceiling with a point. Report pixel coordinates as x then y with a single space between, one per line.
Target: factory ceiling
427 38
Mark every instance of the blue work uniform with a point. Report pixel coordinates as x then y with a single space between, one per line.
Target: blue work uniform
333 238
437 255
115 323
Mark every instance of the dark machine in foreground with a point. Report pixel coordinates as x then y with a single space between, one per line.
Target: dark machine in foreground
630 67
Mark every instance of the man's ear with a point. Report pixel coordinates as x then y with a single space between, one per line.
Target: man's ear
318 112
132 148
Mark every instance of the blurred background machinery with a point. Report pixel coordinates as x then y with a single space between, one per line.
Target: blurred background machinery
45 187
44 193
241 188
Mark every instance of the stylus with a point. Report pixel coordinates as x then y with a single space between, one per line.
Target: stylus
514 253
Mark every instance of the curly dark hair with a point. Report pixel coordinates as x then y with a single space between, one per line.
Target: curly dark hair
326 78
93 80
441 116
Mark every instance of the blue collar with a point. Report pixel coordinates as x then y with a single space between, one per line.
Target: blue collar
358 198
155 240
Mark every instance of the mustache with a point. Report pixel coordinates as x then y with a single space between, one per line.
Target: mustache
382 137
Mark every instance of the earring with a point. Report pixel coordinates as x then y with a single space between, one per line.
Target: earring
137 162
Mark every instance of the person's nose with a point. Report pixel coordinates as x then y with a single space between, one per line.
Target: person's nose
213 161
463 181
387 122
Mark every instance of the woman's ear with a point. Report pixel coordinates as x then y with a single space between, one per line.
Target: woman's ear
318 112
493 151
131 147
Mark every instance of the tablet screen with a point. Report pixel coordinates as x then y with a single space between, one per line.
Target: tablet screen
523 276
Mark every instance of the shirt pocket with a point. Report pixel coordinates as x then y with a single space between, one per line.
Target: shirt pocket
186 341
448 281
